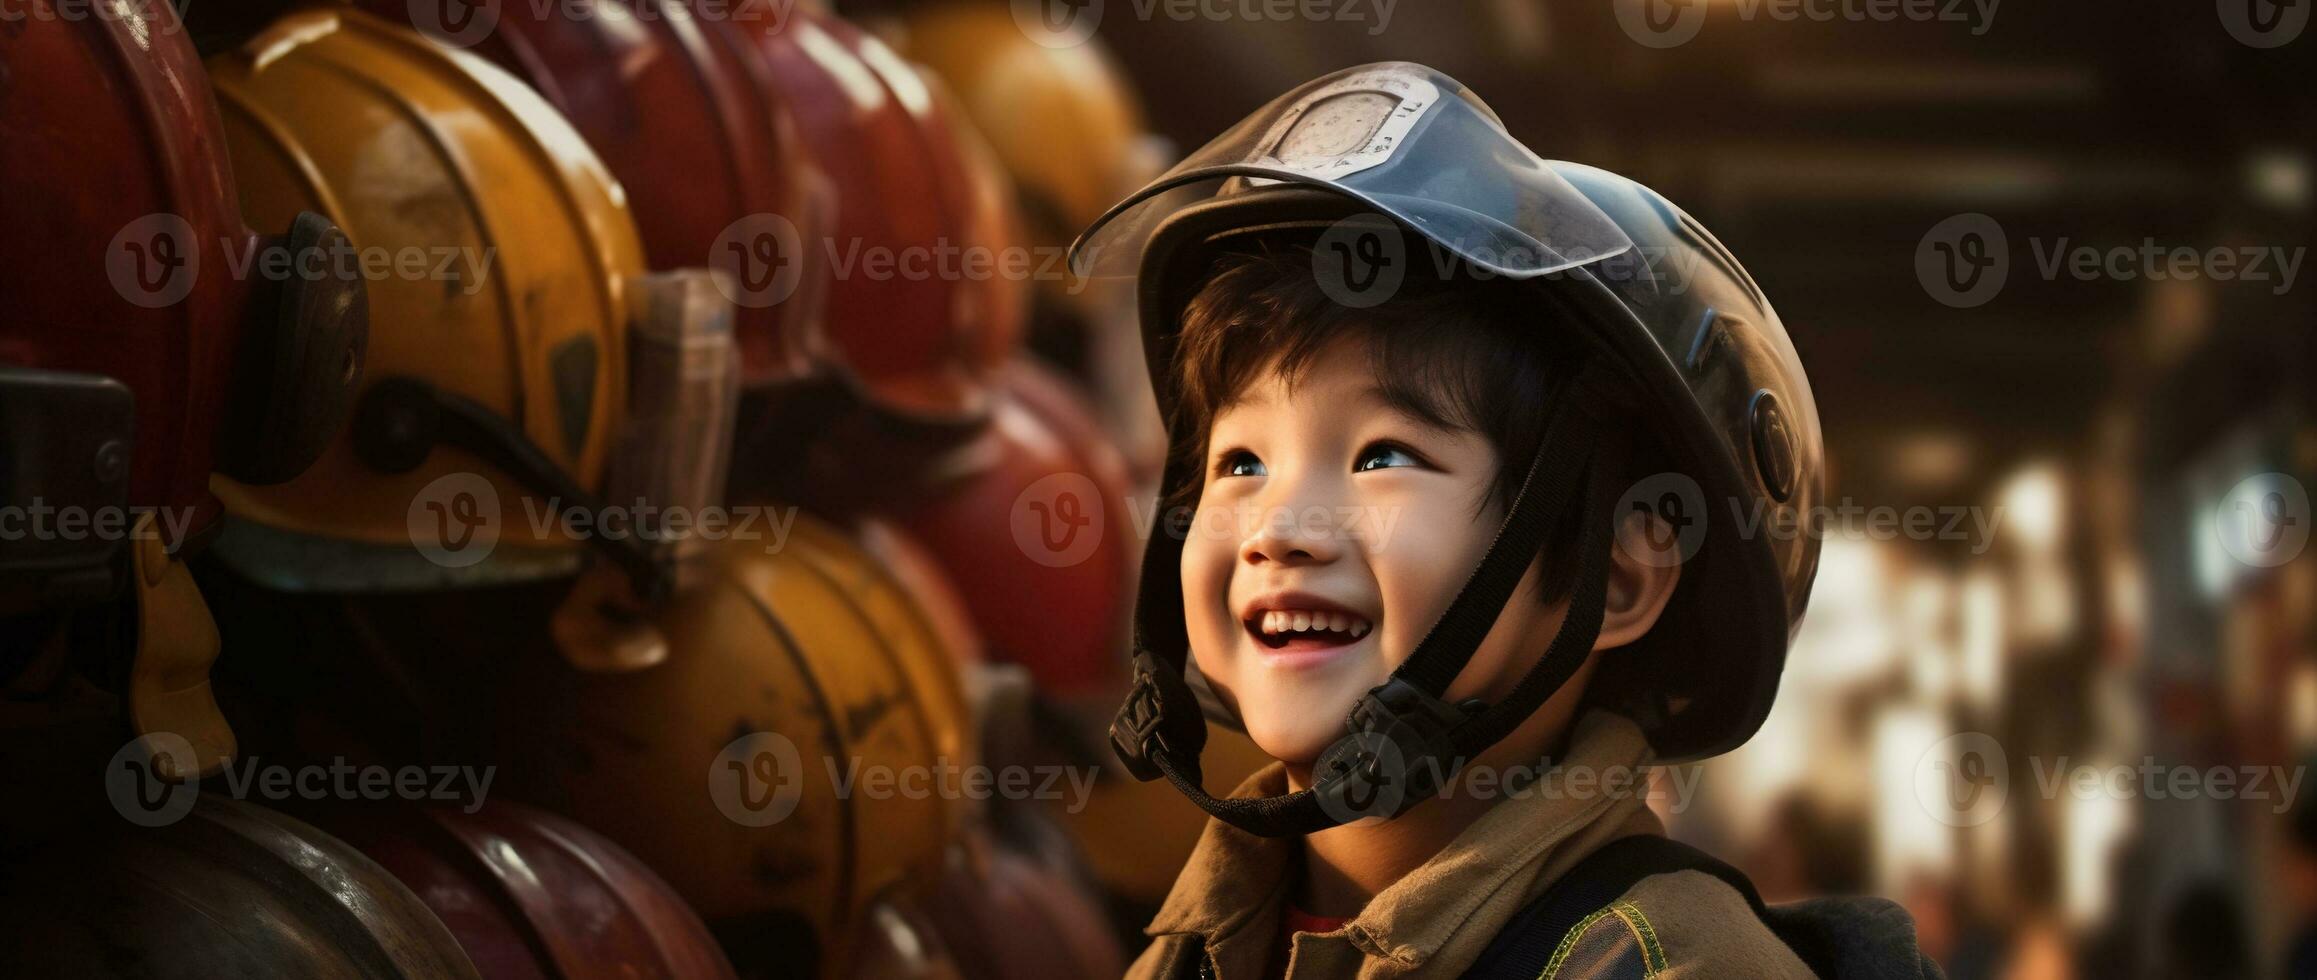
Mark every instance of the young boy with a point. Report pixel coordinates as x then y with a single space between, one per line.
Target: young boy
1447 418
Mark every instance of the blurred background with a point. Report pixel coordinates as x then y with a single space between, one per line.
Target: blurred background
2043 264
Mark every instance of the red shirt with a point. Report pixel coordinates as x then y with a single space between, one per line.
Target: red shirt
1294 920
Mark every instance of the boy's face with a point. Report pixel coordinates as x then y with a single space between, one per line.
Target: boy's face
1332 532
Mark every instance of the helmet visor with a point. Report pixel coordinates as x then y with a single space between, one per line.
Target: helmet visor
1401 138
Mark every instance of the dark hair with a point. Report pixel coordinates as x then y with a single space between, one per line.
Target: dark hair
1454 350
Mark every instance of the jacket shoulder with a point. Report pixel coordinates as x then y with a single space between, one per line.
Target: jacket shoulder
1682 924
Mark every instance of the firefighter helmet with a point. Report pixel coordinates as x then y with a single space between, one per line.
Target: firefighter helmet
1406 155
715 172
226 889
149 340
1038 535
501 254
921 313
529 893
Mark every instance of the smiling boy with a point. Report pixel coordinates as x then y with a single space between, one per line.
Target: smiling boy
1368 299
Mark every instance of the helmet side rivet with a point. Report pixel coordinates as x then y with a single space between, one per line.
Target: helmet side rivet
1773 445
112 461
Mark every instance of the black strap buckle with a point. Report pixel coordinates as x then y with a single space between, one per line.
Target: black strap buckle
1138 730
1400 751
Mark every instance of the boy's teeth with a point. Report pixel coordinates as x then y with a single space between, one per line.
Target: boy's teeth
1302 621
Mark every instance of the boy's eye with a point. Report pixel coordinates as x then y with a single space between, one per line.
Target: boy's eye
1239 462
1384 455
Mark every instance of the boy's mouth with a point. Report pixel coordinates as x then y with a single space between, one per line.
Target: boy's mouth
1306 629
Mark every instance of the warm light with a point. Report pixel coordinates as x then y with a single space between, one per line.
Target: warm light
2032 507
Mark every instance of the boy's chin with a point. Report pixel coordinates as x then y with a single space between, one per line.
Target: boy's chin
1297 719
1296 736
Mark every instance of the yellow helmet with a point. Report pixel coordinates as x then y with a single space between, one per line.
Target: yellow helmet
1064 120
790 668
500 254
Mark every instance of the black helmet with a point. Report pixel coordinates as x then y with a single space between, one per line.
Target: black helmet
1403 152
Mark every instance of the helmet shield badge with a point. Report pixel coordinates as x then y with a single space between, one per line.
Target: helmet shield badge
1401 138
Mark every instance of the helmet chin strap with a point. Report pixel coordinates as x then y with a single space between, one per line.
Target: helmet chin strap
1404 739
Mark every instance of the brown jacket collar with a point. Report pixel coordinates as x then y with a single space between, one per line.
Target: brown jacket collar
1439 917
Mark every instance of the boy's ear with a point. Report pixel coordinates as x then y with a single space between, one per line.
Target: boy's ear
1644 566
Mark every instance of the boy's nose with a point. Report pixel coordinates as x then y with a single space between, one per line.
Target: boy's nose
1290 537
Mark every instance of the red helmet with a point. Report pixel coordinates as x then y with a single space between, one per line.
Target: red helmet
713 170
124 257
1039 537
530 894
919 316
1011 911
227 889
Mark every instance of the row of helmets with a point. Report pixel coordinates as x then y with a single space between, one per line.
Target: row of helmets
362 321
